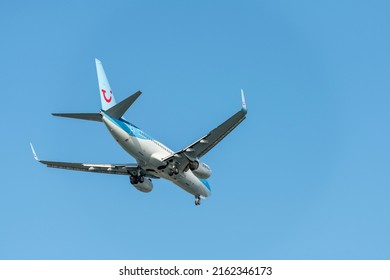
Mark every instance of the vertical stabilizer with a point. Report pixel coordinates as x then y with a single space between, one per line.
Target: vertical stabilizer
106 95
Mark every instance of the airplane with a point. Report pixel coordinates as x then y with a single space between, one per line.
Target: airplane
154 160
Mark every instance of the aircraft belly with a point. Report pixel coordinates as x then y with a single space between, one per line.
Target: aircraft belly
190 184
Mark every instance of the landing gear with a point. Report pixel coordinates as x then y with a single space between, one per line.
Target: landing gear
136 179
194 165
133 180
173 170
197 200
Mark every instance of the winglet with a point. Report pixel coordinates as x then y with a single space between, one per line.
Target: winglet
34 153
243 109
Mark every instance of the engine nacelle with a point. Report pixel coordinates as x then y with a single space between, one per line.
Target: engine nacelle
145 186
200 169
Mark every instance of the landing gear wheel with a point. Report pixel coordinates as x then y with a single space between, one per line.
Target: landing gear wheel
197 200
170 172
194 165
141 179
176 171
133 180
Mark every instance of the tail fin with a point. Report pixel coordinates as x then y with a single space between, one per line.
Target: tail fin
109 104
106 95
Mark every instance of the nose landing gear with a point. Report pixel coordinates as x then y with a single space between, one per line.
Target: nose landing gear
197 200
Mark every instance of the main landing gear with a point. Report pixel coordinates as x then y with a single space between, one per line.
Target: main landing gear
197 200
136 179
173 170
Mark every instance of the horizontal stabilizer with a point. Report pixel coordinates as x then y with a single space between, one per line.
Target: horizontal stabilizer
119 109
83 116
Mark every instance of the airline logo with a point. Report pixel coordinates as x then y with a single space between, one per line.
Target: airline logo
108 100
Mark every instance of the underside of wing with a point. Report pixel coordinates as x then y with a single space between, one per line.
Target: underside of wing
117 169
108 168
200 147
207 142
100 168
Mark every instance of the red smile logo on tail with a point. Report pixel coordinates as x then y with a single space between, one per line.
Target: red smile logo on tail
108 100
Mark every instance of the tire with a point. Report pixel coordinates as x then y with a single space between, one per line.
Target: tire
194 165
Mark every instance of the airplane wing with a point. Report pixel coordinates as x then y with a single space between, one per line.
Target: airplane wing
200 147
118 169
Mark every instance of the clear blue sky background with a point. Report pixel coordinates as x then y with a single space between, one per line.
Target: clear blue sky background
306 176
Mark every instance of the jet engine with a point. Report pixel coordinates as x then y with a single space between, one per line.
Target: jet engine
145 186
200 169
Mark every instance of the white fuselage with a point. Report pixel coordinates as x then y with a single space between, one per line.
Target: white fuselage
150 153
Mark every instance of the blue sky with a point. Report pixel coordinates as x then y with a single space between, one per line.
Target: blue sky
305 176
